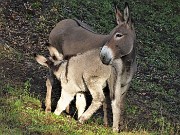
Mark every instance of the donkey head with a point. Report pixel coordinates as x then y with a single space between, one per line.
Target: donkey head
122 38
53 62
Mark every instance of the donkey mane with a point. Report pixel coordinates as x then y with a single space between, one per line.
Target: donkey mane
85 26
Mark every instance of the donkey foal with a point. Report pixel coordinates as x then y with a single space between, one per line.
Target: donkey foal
78 74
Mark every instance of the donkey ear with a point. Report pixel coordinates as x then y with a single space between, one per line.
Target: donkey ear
119 17
41 60
54 52
127 13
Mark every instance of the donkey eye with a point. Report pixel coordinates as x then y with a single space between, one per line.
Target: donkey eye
118 35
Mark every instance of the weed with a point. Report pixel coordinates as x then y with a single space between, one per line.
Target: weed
36 5
27 86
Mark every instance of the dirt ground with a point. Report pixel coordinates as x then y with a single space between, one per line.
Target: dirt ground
19 41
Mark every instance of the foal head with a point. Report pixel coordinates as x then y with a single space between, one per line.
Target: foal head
53 62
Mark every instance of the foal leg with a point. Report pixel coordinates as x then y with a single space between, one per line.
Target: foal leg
98 98
80 103
63 102
49 84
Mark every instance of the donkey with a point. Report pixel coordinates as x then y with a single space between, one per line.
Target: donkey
71 37
83 72
119 51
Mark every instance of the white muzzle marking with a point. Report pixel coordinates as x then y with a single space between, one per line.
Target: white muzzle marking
106 55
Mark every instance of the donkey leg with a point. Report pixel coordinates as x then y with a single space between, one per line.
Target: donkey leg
105 118
49 84
114 83
98 98
105 107
63 102
80 103
118 107
122 104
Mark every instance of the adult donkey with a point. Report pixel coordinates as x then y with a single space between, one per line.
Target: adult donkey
71 37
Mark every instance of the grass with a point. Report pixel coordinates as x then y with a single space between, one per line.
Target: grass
21 113
8 52
152 105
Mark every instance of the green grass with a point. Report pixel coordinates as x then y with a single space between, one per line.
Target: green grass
21 113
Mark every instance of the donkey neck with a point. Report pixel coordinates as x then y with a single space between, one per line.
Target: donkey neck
102 38
97 40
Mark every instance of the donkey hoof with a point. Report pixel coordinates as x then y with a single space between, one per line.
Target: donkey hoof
48 110
68 116
82 119
116 130
106 124
56 112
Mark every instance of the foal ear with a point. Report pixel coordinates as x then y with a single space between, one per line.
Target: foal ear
54 52
41 60
119 17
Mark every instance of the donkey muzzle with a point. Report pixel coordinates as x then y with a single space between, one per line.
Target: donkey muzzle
106 55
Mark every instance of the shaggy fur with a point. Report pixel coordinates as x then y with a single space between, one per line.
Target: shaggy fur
86 72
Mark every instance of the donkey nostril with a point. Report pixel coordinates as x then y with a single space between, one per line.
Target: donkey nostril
103 57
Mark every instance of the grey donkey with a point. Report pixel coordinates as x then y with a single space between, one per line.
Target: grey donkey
83 72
